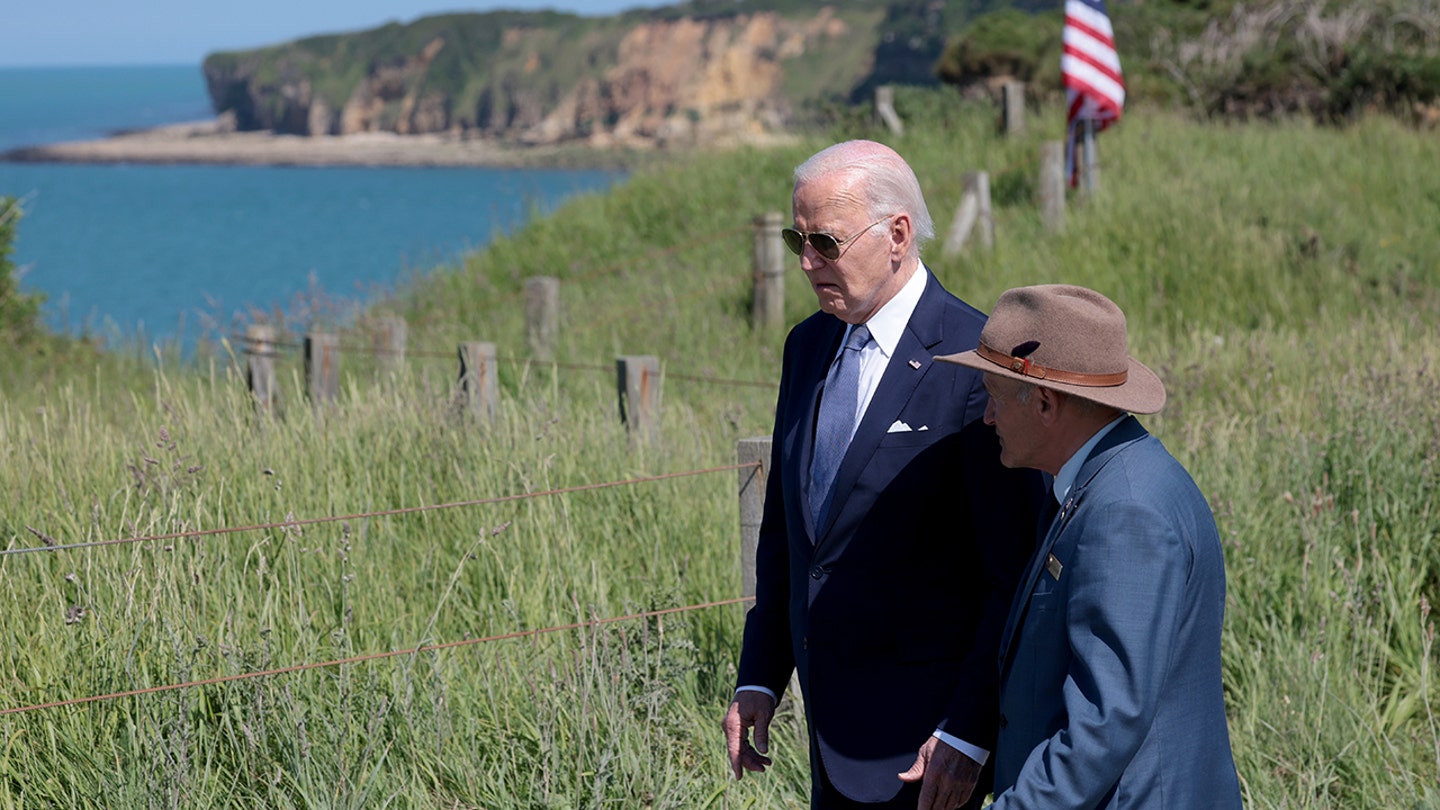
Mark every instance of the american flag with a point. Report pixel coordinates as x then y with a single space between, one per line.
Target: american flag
1090 70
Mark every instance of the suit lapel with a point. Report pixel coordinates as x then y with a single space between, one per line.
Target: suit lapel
907 367
1050 528
1117 439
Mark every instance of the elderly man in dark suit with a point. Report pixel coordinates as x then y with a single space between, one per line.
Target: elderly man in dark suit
892 537
1110 691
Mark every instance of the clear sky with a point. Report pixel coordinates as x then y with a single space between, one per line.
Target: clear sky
161 32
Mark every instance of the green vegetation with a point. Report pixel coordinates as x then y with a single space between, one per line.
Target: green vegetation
1007 43
19 313
1283 278
1331 59
28 351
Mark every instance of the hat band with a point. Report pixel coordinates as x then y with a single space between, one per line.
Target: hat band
1022 365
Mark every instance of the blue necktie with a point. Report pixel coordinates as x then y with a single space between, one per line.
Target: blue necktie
836 422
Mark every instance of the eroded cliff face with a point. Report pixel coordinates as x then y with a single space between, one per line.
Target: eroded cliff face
687 80
387 85
690 81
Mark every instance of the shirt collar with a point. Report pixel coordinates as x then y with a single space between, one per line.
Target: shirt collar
889 322
1065 479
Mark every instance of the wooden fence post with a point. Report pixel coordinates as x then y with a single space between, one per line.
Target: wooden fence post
885 108
752 510
391 333
479 379
1090 166
260 367
974 212
542 316
1012 108
322 368
1052 186
767 308
978 183
638 380
752 504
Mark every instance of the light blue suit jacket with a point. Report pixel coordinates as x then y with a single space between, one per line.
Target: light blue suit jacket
1110 693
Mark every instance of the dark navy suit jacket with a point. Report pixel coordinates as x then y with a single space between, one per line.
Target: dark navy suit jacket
1110 664
892 610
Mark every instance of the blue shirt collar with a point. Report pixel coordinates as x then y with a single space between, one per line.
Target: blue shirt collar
1065 479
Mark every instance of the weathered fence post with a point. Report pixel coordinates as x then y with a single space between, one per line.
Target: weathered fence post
752 510
391 333
1090 166
479 379
767 309
260 367
322 368
638 380
752 504
1052 186
542 316
1012 108
978 184
974 212
885 108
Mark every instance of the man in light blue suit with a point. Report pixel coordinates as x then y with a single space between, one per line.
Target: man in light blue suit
1110 693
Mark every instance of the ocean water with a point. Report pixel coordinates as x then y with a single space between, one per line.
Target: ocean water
180 252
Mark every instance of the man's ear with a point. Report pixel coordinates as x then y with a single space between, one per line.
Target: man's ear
901 233
1047 404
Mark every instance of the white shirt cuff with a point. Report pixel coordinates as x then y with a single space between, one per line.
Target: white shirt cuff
758 689
974 752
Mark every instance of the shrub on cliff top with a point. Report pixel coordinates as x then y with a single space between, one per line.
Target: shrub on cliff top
19 313
1271 58
1005 43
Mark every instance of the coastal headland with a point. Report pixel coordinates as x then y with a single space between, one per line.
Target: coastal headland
210 142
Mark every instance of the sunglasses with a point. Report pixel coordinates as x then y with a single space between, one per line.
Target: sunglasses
826 245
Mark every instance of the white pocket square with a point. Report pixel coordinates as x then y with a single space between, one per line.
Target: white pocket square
901 427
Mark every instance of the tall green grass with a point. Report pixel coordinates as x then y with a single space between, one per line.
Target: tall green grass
1282 279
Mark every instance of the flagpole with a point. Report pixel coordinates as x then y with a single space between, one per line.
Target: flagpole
1092 168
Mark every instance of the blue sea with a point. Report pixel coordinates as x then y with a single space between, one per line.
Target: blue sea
176 253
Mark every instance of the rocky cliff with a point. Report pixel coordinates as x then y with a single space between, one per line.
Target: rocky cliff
547 78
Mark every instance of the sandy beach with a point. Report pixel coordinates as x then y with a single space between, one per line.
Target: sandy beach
209 142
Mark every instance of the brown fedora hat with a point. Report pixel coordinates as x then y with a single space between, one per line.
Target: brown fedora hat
1067 338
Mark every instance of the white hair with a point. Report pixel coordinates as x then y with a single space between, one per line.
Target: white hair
886 181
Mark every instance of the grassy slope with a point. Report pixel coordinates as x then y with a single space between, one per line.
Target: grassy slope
1282 278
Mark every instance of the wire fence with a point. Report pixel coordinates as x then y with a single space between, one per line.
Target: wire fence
54 546
356 659
351 349
478 360
51 544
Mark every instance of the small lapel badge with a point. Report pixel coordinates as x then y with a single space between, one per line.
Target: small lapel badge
914 364
1053 566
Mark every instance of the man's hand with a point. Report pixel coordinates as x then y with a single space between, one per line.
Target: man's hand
749 710
949 776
